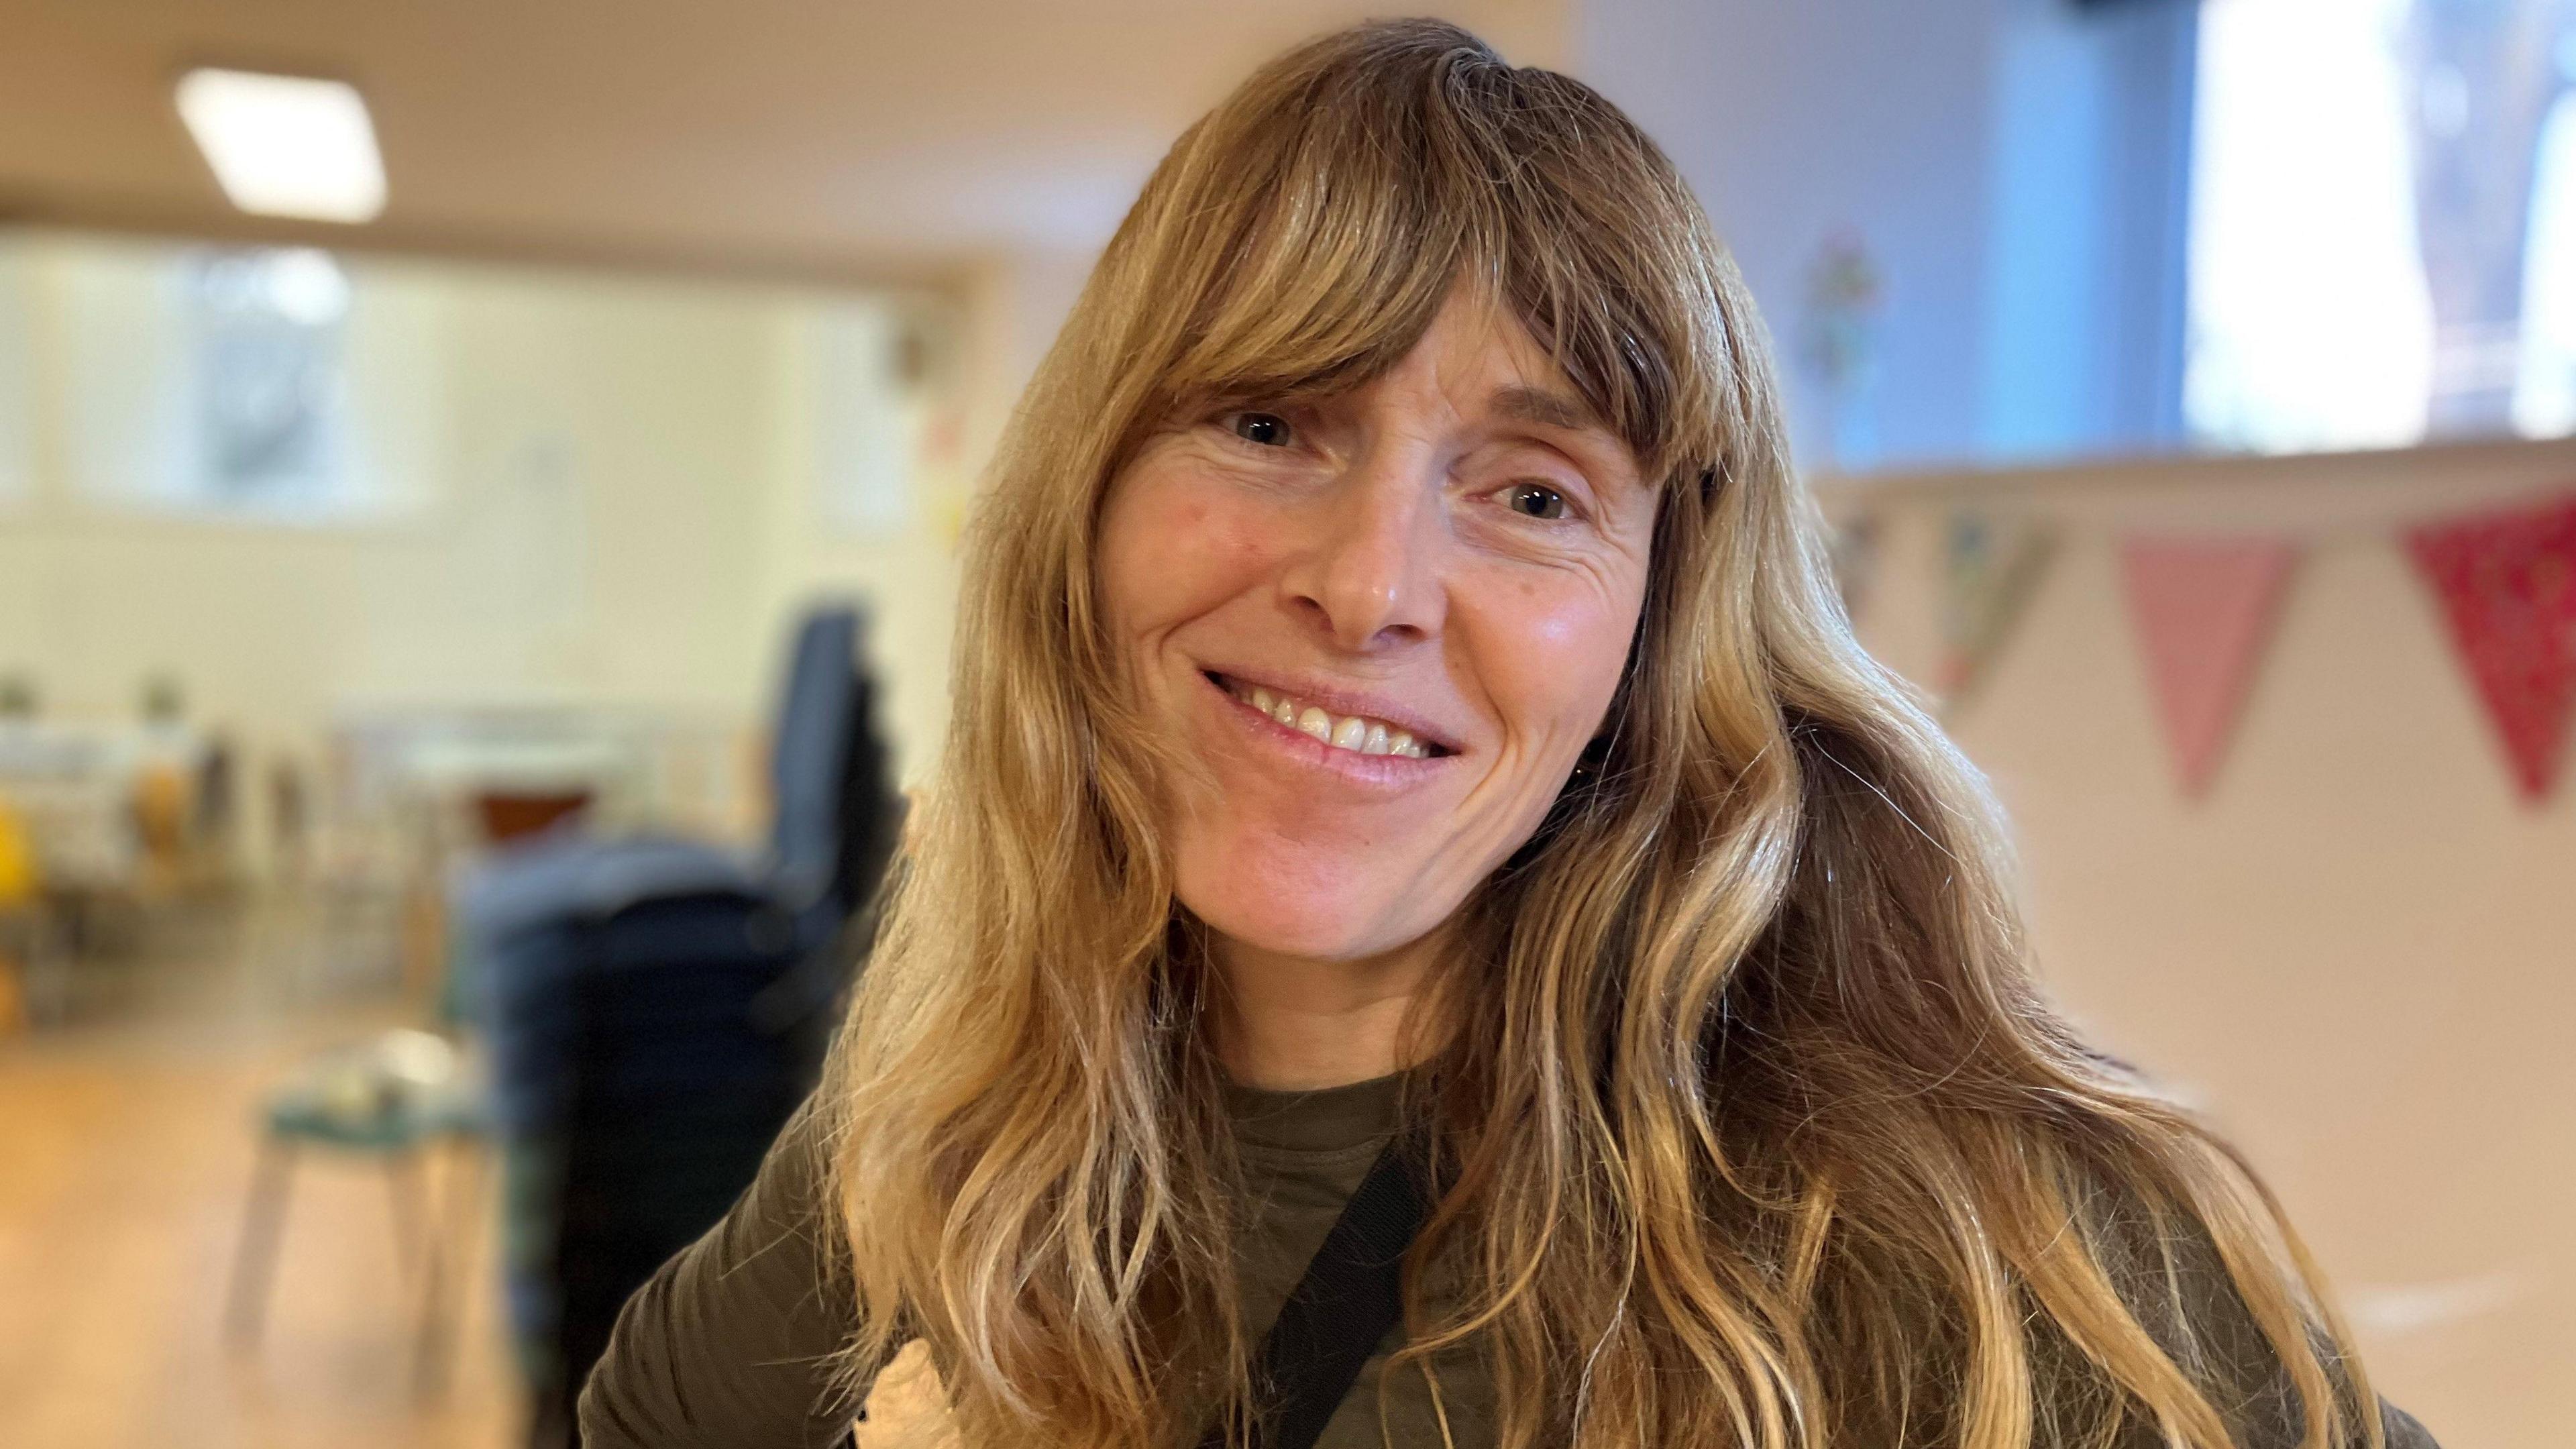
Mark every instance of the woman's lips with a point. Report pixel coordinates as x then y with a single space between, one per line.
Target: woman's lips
1383 768
1362 733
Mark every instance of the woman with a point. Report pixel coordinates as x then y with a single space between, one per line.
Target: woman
1401 698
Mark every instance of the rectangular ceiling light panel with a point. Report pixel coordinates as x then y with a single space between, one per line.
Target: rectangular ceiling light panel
286 145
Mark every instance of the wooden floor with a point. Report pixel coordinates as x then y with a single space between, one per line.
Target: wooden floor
126 1147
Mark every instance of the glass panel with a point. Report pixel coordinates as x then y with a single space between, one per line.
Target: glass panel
269 338
2383 238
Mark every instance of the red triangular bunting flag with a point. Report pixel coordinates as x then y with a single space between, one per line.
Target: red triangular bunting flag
2507 583
2204 609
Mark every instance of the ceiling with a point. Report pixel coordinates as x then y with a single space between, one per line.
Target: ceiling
850 140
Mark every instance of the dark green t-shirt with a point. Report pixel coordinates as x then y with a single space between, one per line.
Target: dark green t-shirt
730 1341
730 1344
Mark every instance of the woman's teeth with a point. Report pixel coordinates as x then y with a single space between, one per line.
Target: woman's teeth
1357 733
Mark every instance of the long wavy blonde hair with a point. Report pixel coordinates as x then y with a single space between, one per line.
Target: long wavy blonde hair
1746 1105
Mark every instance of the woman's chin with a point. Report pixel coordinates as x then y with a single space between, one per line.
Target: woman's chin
1284 892
1310 924
1317 933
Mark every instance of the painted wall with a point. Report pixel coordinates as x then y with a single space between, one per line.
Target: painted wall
1798 122
619 508
1008 315
599 454
2010 165
2358 953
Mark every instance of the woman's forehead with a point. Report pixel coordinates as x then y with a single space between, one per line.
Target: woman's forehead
1482 360
1474 350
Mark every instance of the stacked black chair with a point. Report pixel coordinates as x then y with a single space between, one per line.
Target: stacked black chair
657 1008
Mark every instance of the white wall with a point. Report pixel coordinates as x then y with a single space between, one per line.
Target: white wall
17 440
1008 315
1795 122
587 537
2359 952
2011 166
622 512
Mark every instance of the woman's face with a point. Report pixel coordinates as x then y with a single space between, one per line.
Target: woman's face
1386 622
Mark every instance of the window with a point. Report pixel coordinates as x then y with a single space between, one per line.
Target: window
263 384
267 332
2383 223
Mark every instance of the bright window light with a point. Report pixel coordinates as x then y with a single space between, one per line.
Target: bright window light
2383 223
286 145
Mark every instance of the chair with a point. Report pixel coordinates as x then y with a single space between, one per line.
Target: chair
656 1008
19 926
397 1098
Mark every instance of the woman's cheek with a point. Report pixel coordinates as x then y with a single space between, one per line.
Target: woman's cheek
1558 645
1225 541
1151 532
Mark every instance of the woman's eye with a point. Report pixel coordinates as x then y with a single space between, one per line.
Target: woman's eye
1268 429
1535 500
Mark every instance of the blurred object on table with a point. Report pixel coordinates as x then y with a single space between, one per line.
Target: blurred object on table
509 816
107 815
408 796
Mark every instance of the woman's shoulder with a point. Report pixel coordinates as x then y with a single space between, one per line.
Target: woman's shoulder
2404 1430
2167 1266
737 1339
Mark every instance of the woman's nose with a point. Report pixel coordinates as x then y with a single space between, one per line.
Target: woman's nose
1370 576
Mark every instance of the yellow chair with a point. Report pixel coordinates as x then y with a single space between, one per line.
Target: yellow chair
18 896
18 879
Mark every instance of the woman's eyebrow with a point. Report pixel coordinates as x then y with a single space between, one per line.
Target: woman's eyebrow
1527 404
1547 408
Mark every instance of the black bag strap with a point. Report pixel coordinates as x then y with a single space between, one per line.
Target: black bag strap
1350 1297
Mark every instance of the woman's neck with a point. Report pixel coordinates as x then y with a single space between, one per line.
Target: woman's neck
1294 1023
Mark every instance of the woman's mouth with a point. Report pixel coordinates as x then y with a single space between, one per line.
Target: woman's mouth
1357 733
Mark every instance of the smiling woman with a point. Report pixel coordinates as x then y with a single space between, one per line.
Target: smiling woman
1408 753
1441 565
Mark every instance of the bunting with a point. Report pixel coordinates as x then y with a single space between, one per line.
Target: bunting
1854 554
1992 567
2506 583
2204 610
